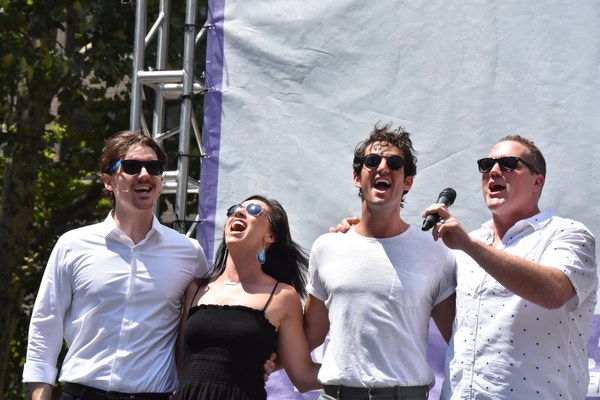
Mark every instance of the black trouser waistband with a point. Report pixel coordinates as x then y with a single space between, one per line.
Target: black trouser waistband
396 392
83 392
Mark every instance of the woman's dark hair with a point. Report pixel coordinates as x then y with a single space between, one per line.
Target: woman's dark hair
286 261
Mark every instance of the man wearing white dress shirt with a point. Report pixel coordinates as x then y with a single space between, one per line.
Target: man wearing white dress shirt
113 290
526 289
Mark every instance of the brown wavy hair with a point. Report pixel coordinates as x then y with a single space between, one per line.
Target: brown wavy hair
117 147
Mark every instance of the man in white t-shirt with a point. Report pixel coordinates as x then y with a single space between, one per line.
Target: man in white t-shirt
375 287
526 289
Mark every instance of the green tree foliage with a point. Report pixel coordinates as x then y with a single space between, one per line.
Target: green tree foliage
69 53
64 89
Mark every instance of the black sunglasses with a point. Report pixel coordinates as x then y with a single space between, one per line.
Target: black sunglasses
393 162
506 164
252 209
133 167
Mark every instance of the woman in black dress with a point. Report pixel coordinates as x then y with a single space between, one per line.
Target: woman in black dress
246 308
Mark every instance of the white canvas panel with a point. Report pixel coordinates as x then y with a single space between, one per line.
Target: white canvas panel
298 84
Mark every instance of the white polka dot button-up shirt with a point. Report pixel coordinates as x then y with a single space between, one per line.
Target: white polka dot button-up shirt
505 347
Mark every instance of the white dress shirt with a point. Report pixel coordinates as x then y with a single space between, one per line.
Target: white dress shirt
116 304
505 347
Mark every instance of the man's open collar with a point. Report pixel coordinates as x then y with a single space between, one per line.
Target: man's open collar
109 226
537 222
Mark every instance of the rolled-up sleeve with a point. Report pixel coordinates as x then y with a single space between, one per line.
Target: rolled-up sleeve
47 320
573 251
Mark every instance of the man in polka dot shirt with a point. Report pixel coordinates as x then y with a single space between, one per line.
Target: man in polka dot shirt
526 289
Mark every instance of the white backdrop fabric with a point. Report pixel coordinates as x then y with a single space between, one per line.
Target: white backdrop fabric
296 85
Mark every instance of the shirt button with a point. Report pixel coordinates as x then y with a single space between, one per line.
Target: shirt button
471 332
475 296
468 367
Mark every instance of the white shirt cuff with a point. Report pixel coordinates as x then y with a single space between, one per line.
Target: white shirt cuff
39 372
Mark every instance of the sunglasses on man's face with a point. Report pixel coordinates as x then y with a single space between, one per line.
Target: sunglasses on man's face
373 160
252 209
134 167
506 164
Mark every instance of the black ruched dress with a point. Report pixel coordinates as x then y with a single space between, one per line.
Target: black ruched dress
225 351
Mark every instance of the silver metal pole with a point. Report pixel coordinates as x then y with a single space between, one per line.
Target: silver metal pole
162 44
138 65
186 112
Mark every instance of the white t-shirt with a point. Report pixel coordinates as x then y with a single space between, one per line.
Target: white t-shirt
379 294
507 348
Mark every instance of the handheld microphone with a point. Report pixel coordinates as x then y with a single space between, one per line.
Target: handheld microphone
447 196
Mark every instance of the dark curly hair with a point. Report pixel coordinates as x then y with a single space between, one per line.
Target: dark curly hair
286 261
384 134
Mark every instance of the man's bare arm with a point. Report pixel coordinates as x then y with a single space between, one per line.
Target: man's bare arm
316 322
443 315
40 391
545 286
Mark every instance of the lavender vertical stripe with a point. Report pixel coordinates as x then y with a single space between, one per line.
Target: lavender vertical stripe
212 127
594 359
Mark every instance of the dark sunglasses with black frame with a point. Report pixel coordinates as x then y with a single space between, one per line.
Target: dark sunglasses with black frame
252 209
134 167
506 164
373 160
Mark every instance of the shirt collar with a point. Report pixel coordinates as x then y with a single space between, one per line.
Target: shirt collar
110 227
537 222
540 220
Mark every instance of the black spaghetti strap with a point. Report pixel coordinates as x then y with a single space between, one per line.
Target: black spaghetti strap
197 290
270 297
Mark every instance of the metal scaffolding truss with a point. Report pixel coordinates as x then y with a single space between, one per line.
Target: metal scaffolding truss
168 84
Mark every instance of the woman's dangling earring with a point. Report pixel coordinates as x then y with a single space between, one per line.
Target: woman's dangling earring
261 257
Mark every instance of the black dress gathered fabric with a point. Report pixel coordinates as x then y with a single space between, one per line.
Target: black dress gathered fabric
225 351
